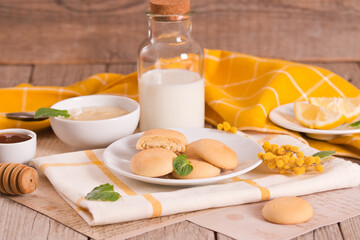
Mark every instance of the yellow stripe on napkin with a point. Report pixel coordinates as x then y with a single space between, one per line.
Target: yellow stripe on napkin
79 208
265 193
156 205
47 165
92 157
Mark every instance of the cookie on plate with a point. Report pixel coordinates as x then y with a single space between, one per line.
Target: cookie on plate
162 138
287 210
201 169
153 162
190 152
216 153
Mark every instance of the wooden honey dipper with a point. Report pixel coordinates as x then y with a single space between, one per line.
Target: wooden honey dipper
16 179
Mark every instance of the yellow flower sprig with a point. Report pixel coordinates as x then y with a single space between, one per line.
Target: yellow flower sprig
226 127
288 158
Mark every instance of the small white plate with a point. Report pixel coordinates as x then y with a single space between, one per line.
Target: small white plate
284 116
117 156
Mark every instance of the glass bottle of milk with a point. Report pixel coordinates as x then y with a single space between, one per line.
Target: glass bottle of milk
170 71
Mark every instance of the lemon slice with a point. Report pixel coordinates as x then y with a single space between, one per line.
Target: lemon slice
349 107
313 116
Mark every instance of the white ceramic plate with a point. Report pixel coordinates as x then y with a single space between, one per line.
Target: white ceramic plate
284 116
117 156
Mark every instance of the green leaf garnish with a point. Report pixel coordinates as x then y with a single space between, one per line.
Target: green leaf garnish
182 165
355 124
51 112
324 154
104 192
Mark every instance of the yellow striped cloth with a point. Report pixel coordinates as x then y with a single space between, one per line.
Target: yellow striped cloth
75 174
240 89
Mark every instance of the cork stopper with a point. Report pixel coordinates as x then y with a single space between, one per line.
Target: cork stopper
169 7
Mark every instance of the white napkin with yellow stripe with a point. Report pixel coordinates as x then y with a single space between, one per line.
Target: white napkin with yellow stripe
75 174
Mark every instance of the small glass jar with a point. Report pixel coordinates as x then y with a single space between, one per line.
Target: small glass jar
171 75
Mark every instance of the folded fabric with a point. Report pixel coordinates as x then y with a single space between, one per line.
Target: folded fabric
75 174
239 88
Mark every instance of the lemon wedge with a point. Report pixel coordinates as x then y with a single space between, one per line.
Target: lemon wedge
349 107
313 116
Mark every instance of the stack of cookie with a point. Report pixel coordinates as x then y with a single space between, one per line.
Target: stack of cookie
16 179
159 147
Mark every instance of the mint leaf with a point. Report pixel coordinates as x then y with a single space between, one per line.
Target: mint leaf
324 154
51 112
103 192
182 165
355 124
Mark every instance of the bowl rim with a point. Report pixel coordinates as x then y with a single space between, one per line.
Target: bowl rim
18 130
137 109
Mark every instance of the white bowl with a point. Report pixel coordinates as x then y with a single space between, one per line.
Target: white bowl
20 152
97 133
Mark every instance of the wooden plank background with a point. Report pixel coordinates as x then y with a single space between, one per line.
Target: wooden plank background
110 31
77 38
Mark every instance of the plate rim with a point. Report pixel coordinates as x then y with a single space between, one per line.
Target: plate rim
177 182
304 129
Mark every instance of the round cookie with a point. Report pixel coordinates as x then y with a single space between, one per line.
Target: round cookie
6 178
14 178
28 180
216 153
2 170
162 138
153 162
190 152
287 210
201 169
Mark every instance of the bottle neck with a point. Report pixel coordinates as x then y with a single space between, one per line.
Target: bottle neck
169 31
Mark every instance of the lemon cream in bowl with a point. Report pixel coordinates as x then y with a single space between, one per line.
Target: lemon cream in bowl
95 121
96 113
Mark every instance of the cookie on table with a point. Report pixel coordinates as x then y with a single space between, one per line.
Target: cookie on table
216 153
152 162
162 138
287 210
201 169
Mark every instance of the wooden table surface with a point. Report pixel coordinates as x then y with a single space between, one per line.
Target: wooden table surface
20 222
59 42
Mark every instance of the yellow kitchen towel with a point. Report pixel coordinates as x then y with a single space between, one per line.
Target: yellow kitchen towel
239 88
75 174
